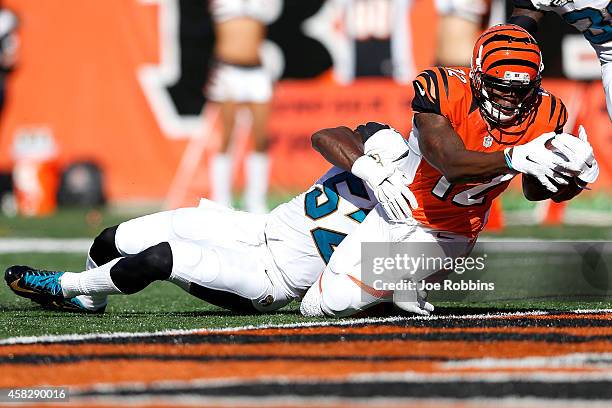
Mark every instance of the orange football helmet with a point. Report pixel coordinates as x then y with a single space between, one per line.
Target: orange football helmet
505 74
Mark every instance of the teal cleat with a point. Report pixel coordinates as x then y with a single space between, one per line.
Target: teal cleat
43 287
71 305
33 284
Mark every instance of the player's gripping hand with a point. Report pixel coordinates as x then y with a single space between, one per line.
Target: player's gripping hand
413 301
395 196
390 186
535 159
579 150
382 141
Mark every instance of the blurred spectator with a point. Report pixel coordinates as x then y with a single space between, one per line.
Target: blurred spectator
8 57
375 40
238 79
8 47
460 24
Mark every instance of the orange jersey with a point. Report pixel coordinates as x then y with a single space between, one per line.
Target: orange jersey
463 208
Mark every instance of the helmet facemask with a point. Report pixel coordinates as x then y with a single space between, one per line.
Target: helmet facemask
505 102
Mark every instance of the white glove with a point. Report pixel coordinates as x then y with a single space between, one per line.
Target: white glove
541 3
535 159
579 150
390 186
386 144
413 301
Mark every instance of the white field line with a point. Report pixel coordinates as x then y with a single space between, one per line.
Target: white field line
296 401
325 323
572 217
544 376
572 360
44 245
81 245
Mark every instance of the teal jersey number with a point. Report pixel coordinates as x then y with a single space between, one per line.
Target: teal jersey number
600 29
325 239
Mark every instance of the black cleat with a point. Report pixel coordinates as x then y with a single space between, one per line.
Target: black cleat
44 288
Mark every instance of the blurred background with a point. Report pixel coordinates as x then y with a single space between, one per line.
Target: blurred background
105 116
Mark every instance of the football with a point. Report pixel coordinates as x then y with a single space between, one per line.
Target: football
535 191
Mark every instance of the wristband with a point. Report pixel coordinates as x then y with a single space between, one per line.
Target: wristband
507 157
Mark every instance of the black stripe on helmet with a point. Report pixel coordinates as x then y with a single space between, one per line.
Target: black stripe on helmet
509 38
514 61
484 57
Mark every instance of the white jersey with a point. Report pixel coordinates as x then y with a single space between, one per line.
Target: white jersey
593 18
303 233
265 11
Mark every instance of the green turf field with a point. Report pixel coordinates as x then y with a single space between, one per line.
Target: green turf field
161 306
164 306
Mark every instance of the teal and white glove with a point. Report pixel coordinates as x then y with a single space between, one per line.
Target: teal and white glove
389 184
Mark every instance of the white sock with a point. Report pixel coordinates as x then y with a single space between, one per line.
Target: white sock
96 281
257 168
221 179
92 302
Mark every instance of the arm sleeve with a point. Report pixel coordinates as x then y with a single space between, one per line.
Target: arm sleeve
526 22
526 4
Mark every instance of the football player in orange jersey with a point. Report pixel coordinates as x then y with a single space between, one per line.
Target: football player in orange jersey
474 129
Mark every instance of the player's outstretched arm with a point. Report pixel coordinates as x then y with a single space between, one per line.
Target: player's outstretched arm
444 150
340 146
525 15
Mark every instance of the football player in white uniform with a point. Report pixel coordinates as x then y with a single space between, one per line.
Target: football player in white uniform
237 260
593 18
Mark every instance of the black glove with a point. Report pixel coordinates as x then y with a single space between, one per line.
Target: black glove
366 131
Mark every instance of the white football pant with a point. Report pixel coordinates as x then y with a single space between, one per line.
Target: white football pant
212 246
341 291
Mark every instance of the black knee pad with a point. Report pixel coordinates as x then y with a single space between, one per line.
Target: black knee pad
103 249
134 273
